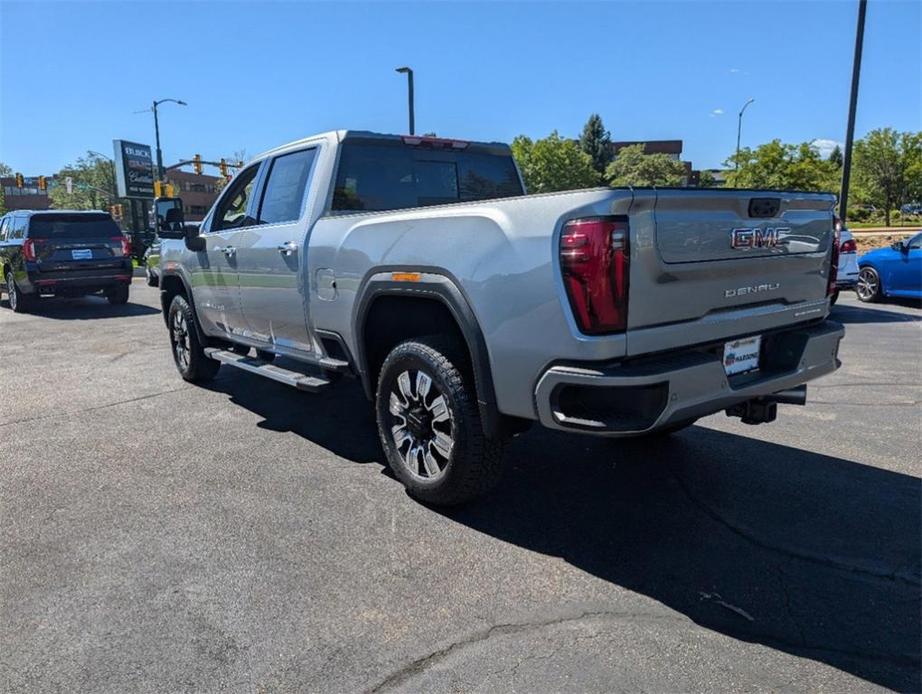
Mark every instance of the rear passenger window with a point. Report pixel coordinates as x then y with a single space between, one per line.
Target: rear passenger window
285 186
3 229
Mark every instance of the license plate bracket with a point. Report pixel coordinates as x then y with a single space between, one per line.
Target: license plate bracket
741 356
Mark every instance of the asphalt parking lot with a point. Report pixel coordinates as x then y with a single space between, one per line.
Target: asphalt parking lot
158 536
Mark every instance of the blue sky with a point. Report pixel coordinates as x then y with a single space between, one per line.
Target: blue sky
257 74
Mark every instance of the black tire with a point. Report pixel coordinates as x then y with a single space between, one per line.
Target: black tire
868 287
19 302
188 355
834 298
152 279
118 296
438 425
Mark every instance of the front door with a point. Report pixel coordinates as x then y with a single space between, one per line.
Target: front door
273 262
907 272
215 286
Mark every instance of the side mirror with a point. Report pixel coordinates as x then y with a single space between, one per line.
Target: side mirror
904 246
170 221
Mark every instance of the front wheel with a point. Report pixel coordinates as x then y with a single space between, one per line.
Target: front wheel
430 427
868 287
190 358
152 280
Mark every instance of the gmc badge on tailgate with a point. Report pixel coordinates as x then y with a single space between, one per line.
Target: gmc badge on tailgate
746 237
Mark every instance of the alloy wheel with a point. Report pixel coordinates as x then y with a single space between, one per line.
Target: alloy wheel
421 425
11 292
179 333
868 285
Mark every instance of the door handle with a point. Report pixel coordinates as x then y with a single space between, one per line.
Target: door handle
228 251
288 248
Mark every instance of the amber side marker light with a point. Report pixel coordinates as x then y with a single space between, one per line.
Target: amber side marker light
405 276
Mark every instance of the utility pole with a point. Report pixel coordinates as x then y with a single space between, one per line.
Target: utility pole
852 105
739 130
156 103
409 73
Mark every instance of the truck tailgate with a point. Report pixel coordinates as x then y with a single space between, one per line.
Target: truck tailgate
708 264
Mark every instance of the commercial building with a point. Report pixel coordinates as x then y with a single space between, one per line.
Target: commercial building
198 192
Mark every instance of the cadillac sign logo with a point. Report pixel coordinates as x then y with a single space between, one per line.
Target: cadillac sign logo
748 237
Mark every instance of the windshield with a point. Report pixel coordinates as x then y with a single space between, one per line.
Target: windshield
72 226
392 176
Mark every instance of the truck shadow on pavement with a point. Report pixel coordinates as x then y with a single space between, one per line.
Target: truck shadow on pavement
86 308
806 553
850 313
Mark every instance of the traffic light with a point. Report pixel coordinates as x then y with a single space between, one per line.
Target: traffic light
170 190
20 183
113 210
197 164
223 166
158 189
42 183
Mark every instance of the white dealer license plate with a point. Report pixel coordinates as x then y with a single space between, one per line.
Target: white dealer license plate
82 254
742 355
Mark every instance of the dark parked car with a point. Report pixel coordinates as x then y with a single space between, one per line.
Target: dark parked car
62 253
894 271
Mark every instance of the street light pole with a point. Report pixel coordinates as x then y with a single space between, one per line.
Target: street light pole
739 130
409 73
852 105
157 132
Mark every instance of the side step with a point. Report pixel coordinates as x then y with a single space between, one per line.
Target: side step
296 379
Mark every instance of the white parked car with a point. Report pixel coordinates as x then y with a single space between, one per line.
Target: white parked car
847 276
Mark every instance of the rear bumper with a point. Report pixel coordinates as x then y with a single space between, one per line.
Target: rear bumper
75 281
646 395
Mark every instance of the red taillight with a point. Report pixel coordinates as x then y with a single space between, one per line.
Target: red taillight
834 266
125 244
594 260
848 246
28 250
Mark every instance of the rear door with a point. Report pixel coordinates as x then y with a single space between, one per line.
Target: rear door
76 245
215 285
272 262
726 261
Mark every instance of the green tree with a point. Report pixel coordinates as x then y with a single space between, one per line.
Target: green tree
835 156
887 167
4 171
553 163
634 168
780 166
596 142
92 185
706 180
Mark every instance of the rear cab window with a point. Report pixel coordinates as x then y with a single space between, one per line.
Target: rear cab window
388 174
72 226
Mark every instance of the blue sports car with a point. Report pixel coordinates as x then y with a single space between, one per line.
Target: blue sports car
894 271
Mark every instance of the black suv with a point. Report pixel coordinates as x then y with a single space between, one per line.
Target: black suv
62 253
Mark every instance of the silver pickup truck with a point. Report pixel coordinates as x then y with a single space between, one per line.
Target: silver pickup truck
469 310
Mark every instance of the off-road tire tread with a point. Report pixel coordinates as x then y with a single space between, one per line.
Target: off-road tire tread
201 367
481 466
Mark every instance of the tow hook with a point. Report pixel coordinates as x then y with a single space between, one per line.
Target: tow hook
764 409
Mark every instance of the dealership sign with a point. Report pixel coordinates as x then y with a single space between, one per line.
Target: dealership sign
134 173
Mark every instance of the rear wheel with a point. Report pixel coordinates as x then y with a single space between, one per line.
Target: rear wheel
118 295
152 280
19 302
868 287
188 354
429 424
834 298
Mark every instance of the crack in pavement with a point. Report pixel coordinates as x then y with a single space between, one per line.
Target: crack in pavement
92 409
419 665
823 560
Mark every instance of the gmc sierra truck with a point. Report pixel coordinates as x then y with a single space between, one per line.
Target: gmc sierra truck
469 309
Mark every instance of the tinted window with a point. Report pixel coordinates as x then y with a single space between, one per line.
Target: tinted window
72 226
915 242
284 191
232 209
390 176
3 229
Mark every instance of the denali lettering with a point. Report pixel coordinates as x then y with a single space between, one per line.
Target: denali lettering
746 237
743 291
